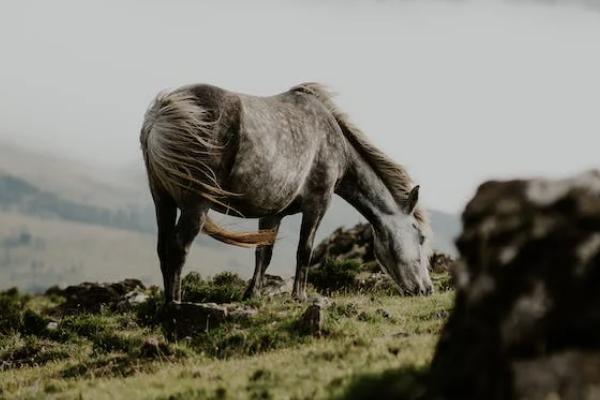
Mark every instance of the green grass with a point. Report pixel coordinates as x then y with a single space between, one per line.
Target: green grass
106 355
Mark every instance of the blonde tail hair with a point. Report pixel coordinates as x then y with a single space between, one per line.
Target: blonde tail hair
177 144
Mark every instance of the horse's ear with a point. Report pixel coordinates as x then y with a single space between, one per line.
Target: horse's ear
412 199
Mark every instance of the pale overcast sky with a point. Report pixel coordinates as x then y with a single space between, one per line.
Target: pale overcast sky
458 91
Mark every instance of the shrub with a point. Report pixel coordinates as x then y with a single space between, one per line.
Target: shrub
225 287
335 275
34 324
11 311
149 312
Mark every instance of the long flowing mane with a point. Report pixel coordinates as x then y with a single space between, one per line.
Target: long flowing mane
393 175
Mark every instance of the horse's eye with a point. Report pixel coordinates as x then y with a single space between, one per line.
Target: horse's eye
421 238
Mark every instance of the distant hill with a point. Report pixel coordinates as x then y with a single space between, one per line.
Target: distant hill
19 195
59 236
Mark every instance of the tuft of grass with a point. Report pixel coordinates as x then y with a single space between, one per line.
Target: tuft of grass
335 276
225 287
274 327
149 312
34 323
11 310
33 352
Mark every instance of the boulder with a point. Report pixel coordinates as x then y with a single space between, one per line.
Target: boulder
525 322
186 319
181 320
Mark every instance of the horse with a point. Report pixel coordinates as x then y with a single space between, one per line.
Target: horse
207 148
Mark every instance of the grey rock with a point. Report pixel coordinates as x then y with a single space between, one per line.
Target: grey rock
311 321
525 322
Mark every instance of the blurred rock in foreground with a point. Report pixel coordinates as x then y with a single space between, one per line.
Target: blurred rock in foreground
526 321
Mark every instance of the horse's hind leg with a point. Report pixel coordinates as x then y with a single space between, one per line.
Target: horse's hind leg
311 218
188 226
263 256
166 217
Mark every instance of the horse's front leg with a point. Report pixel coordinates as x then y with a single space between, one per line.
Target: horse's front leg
311 219
263 256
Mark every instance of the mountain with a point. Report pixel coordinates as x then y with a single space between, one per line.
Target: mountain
62 222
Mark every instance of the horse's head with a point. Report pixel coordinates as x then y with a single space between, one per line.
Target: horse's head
402 249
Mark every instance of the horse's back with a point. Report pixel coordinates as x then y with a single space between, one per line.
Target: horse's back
281 141
279 149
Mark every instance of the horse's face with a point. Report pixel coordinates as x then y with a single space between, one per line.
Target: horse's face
403 252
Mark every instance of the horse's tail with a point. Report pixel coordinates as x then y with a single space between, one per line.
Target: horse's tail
178 144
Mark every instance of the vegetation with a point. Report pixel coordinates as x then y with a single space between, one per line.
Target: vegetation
222 288
124 355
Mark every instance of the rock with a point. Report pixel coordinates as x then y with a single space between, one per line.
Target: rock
353 243
525 322
440 262
311 321
321 301
52 326
240 311
93 297
274 285
187 319
136 298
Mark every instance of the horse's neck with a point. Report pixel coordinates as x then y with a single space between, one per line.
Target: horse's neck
366 192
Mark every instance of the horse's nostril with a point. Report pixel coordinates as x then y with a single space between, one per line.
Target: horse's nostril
426 290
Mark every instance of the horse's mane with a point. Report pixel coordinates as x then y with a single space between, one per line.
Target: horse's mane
393 175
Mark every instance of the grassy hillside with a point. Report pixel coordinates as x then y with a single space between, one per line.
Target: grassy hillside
17 194
64 222
267 356
36 253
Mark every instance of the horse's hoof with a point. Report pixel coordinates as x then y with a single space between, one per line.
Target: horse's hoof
249 294
299 296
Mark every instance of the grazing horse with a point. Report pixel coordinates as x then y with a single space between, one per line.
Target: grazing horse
267 157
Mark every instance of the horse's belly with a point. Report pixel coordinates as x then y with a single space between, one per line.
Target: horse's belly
269 180
277 147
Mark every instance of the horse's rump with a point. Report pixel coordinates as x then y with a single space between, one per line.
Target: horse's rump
180 146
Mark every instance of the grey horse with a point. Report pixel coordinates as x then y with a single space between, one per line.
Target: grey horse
206 148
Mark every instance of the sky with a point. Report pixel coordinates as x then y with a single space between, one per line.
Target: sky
457 91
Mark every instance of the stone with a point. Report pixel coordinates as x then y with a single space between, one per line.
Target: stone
188 319
240 311
274 285
525 322
52 326
136 298
311 321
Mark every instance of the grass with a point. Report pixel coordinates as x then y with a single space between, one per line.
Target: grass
367 340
